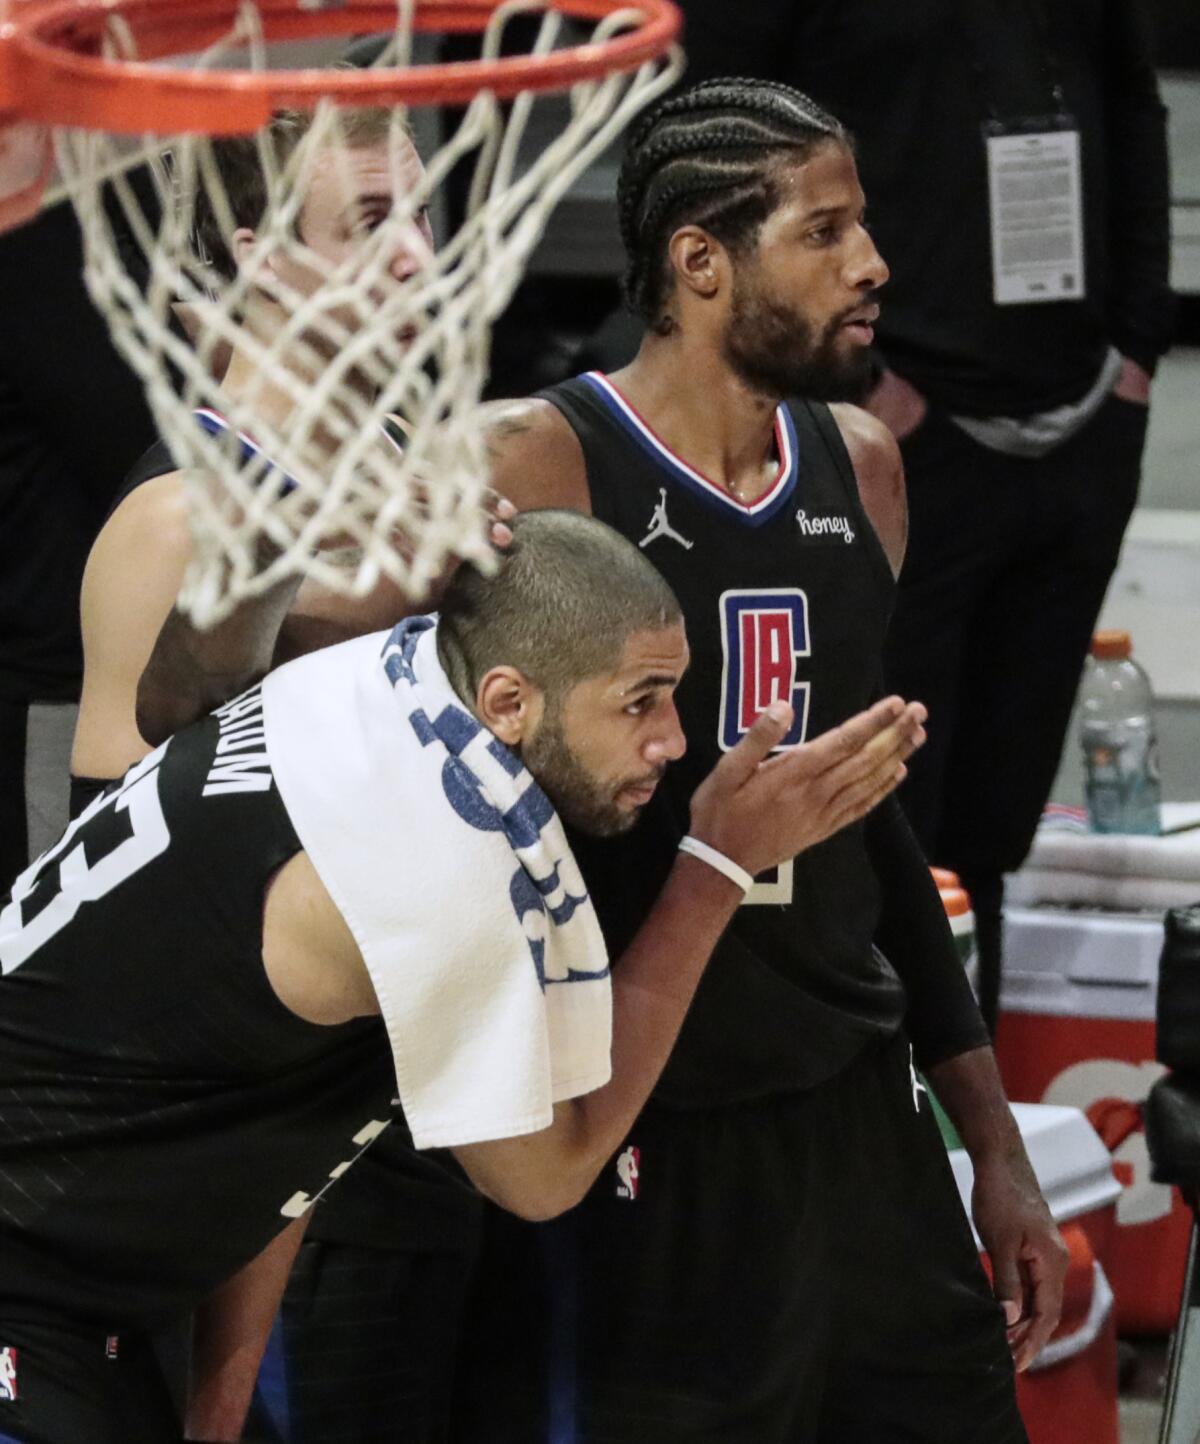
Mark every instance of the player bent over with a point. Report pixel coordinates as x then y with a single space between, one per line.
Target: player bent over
384 1265
347 884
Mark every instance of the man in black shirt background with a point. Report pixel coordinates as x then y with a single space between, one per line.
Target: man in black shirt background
1021 420
72 420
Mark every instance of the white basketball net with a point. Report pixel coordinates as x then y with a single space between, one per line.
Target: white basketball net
322 491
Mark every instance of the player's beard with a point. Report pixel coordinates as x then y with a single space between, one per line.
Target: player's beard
775 349
578 797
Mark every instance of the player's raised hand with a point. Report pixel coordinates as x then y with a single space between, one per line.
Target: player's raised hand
760 810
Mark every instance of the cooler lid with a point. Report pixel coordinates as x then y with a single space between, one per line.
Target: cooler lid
1073 1167
1082 962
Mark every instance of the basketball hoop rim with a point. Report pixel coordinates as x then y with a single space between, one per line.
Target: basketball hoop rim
48 75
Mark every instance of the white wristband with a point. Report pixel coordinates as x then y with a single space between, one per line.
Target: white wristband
723 864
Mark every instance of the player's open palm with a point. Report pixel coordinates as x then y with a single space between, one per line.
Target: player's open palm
760 810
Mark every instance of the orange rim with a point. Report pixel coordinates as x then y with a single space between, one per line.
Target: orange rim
21 199
51 69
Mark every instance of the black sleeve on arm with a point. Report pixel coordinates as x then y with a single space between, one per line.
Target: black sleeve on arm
943 1018
1142 306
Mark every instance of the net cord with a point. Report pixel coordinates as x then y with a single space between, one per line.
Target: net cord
360 509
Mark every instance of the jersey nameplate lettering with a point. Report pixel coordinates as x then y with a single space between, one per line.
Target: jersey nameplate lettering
241 763
763 635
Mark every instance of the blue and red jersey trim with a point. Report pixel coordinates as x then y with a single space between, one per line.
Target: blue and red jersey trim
753 513
216 425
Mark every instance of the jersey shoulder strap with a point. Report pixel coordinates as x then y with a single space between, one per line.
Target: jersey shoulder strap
156 460
815 423
584 411
815 419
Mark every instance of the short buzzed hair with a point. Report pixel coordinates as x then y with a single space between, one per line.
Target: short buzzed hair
568 594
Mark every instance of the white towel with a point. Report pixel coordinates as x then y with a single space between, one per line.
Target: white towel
454 875
1069 866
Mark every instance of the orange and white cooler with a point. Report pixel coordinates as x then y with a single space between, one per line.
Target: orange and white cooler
961 919
1069 1394
1077 1010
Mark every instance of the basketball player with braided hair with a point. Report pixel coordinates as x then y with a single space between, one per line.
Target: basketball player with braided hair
777 1252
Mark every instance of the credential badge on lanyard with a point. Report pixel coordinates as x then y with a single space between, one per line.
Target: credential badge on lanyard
1036 205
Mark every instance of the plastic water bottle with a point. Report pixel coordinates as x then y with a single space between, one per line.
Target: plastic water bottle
1120 751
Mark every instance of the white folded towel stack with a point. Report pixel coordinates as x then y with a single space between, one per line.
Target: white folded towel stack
1071 867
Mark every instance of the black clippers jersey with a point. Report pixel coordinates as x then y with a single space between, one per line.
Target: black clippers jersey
787 597
162 1114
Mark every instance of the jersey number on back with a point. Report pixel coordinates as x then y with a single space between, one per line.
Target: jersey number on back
87 862
763 635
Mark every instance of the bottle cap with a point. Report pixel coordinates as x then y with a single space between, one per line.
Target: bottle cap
1111 646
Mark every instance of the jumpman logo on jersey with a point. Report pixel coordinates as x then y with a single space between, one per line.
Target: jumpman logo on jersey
917 1086
660 526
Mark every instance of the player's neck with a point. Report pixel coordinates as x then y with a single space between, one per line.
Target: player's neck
270 400
704 412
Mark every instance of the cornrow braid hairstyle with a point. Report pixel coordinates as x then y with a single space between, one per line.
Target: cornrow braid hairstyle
709 157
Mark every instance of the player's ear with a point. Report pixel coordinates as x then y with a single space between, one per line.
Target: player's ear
262 266
241 243
699 262
508 704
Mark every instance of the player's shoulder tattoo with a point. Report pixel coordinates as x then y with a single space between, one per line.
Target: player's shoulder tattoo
504 430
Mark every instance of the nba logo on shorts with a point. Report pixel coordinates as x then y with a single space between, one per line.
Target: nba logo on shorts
763 634
627 1172
8 1375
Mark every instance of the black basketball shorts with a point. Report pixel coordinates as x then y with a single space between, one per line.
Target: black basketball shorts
795 1270
66 1383
369 1341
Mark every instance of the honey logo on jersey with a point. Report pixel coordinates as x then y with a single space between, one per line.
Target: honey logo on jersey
825 526
763 635
8 1375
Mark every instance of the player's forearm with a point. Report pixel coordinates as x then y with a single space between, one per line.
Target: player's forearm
968 1086
231 1331
943 1020
192 671
753 813
543 1174
654 983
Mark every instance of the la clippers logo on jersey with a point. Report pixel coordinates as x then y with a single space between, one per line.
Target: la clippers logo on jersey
628 1166
8 1375
763 635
